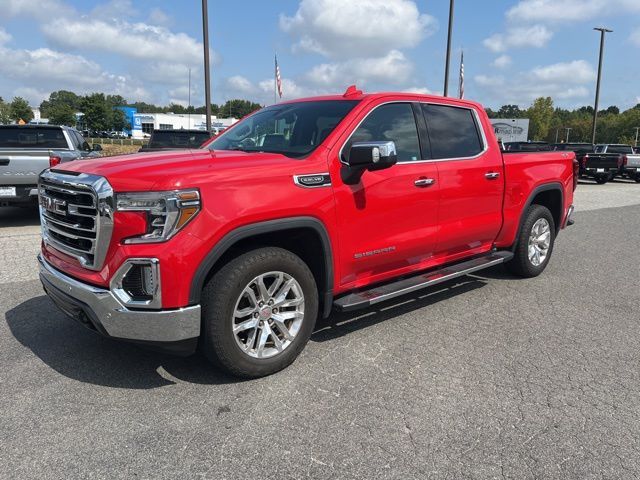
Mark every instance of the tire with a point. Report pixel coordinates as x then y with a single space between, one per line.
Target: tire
227 294
602 180
521 264
636 178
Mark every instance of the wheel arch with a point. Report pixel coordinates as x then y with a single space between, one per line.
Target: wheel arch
550 195
274 233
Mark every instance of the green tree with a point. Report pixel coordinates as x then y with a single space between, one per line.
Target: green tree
19 109
97 112
58 99
540 118
5 114
62 114
237 108
119 120
510 111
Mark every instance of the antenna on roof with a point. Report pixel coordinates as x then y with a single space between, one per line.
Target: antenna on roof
352 91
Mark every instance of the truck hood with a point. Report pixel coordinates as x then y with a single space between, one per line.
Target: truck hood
174 169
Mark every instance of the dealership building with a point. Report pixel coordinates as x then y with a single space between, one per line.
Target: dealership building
145 123
511 129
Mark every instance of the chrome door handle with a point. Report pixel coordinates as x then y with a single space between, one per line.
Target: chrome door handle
491 175
424 182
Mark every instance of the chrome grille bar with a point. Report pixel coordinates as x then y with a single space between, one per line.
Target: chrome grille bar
76 215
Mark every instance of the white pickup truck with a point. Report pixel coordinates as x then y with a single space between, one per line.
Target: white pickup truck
630 160
27 150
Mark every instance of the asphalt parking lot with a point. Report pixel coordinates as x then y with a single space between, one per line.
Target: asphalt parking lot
485 377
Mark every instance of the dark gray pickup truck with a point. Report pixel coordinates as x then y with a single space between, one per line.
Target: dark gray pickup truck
27 150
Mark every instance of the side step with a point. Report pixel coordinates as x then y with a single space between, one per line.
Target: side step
387 291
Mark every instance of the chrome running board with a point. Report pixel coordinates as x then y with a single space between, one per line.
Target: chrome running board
365 298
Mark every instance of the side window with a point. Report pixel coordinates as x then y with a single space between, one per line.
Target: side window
82 143
453 132
395 122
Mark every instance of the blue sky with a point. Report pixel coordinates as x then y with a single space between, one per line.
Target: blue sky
514 50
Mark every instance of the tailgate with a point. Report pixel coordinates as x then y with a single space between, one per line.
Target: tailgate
22 167
633 161
602 160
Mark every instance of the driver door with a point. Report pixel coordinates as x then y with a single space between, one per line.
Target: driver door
388 222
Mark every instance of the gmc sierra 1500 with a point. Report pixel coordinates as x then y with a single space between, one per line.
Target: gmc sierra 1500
324 203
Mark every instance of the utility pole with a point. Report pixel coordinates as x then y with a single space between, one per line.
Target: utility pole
602 31
189 106
557 129
637 128
207 80
568 130
446 66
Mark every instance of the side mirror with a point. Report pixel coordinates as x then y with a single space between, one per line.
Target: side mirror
96 147
370 156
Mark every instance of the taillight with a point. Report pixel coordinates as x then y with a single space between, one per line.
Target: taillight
54 161
576 173
624 160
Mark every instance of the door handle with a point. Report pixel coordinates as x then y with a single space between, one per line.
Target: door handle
424 182
491 175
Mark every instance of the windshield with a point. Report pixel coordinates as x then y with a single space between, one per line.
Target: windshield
619 149
178 139
293 129
29 137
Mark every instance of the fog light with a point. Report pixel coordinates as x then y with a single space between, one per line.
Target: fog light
137 283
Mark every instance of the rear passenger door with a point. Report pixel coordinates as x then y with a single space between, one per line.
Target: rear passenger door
471 180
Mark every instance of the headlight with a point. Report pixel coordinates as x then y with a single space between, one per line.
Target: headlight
167 212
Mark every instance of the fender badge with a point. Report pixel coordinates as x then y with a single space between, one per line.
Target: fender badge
312 180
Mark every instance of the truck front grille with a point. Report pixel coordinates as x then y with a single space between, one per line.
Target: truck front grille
76 214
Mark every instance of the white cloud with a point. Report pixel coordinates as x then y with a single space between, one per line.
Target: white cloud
635 37
132 40
394 68
503 61
419 90
577 71
5 37
335 28
159 17
517 37
42 10
557 11
240 84
43 70
561 81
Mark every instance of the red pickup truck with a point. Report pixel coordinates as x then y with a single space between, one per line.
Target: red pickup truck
336 202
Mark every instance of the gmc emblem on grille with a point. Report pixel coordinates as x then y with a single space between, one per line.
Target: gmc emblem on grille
53 205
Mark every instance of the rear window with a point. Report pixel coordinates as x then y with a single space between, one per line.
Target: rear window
453 132
619 149
179 139
32 138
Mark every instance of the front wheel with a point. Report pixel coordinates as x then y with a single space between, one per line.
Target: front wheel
534 244
258 312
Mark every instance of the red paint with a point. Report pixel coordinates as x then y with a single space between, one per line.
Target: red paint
461 214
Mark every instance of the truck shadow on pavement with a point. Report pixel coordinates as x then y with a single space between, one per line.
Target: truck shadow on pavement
81 354
340 324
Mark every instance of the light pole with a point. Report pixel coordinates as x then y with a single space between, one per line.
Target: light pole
602 31
568 129
637 128
557 130
446 66
207 80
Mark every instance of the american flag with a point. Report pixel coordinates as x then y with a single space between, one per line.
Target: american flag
278 79
461 84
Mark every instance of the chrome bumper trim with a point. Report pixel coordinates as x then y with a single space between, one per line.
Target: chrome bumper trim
115 319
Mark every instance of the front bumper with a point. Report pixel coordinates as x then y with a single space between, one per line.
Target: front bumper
99 309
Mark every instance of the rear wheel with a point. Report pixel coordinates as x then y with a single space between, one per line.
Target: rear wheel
602 180
259 311
535 243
